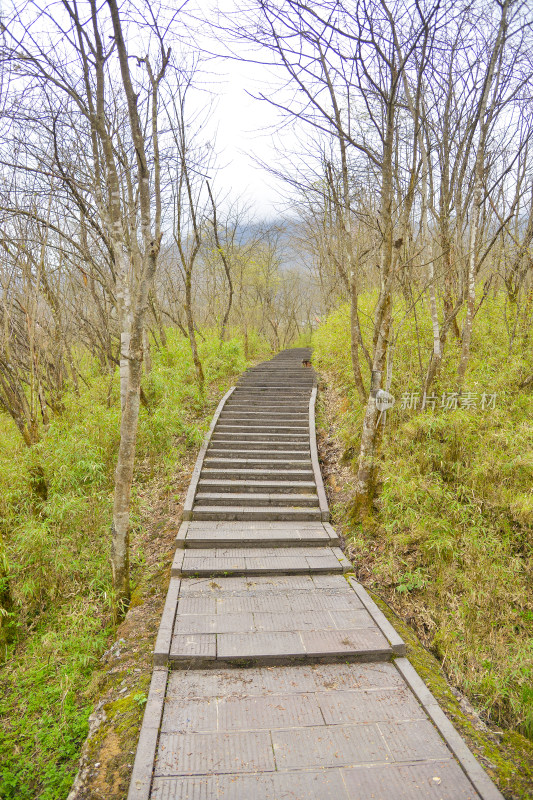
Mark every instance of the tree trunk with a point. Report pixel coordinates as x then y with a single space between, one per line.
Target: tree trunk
225 264
436 355
483 120
471 274
366 472
147 355
151 246
191 334
344 212
123 481
159 322
365 480
124 366
355 335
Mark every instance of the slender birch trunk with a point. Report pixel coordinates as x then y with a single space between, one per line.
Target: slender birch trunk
365 480
366 471
427 255
355 336
344 210
225 264
191 332
483 121
151 241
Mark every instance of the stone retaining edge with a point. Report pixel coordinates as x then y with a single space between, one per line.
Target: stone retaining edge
470 766
321 492
181 534
143 767
388 631
166 626
191 493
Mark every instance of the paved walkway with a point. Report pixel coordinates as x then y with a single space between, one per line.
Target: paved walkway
275 674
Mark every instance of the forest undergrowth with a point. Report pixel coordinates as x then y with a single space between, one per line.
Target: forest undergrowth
449 541
55 512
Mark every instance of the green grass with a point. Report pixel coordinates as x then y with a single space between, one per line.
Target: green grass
450 541
55 513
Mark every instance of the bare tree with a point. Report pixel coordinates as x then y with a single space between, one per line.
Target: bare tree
353 56
85 79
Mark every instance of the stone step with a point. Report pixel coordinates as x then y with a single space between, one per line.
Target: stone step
265 384
281 399
267 619
298 403
262 403
301 408
241 534
272 415
271 392
281 499
266 387
284 457
280 513
281 560
263 425
259 411
264 418
245 426
257 486
242 435
269 424
229 472
236 399
257 455
260 444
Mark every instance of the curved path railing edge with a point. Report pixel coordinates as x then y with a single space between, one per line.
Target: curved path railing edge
191 493
321 492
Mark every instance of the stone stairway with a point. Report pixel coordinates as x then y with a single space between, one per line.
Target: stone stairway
258 465
275 674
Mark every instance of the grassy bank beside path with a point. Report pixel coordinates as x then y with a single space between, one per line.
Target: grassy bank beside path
449 542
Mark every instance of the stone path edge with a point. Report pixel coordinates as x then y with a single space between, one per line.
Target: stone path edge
388 631
143 766
166 626
191 493
321 492
470 766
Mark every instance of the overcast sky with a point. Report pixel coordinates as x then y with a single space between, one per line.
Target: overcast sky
244 130
245 127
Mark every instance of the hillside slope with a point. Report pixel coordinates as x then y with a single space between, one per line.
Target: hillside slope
449 543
